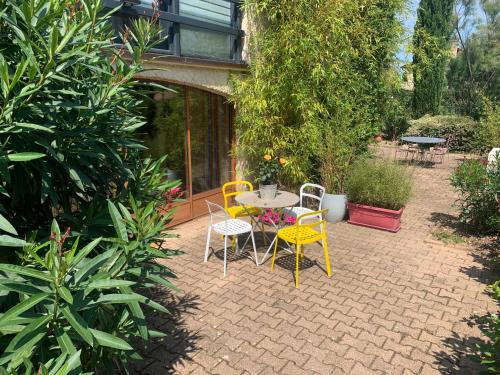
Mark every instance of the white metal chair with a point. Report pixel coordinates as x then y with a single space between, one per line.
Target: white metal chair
305 193
223 224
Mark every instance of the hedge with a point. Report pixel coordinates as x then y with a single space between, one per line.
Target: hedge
462 130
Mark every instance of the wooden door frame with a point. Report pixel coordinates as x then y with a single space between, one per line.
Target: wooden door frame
195 206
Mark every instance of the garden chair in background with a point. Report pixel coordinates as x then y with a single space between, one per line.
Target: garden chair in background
402 151
308 192
439 152
232 189
222 224
302 234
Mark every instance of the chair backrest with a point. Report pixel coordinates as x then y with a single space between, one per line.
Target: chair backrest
305 193
233 188
217 213
321 223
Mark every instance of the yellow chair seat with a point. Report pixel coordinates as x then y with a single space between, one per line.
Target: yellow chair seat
297 234
240 211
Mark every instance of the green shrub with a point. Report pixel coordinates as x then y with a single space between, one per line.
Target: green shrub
488 353
68 108
479 195
462 130
379 183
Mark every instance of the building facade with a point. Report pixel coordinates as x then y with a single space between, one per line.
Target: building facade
190 119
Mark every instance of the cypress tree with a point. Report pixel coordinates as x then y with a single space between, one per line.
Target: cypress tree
431 43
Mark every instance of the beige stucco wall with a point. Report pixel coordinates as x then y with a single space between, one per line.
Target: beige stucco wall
206 77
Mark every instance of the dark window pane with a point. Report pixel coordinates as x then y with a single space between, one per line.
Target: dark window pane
210 142
166 130
201 42
213 11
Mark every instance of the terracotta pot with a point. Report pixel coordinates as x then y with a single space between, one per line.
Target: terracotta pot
378 138
374 217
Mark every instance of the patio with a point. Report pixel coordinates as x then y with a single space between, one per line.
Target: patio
396 303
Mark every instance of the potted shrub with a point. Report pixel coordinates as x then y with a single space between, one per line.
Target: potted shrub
269 168
377 191
341 146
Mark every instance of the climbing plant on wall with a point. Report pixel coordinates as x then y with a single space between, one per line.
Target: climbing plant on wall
314 65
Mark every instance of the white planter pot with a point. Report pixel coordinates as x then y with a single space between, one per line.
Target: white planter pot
268 192
336 205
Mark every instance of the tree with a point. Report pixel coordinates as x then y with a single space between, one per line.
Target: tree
473 76
314 64
431 46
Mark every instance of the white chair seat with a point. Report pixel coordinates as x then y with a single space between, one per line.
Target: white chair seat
232 227
299 210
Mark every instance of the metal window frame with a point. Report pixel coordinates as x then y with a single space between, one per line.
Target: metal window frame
171 16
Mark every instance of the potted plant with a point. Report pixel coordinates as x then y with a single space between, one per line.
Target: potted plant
339 150
377 191
269 169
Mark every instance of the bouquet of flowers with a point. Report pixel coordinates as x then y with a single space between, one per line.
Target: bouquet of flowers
269 169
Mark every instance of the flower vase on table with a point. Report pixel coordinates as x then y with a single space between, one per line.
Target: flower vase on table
269 168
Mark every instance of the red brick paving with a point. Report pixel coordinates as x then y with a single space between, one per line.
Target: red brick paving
396 303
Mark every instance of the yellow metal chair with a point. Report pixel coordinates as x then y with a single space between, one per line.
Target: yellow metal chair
232 189
302 234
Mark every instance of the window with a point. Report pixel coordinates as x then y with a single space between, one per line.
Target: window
201 42
208 29
213 11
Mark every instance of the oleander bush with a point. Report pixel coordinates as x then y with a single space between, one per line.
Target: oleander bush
462 130
380 183
75 302
478 186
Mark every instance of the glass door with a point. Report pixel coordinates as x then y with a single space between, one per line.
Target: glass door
210 143
193 128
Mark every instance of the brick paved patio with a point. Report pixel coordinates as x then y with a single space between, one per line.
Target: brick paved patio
396 304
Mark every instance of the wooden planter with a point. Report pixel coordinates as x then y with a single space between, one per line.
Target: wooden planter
374 217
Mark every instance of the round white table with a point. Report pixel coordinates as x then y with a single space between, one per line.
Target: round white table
282 200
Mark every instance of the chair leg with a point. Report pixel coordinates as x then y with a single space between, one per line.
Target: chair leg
225 255
297 255
276 240
254 249
327 258
207 247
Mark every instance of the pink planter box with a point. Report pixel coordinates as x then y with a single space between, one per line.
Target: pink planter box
374 217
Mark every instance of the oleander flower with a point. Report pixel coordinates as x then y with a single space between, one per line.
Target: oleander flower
267 157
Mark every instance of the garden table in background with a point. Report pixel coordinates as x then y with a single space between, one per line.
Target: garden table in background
282 200
424 143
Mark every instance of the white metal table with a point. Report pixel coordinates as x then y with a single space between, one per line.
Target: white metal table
282 200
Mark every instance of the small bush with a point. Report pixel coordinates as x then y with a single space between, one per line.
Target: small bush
479 189
379 183
488 353
462 130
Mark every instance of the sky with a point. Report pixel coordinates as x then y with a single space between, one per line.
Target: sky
409 20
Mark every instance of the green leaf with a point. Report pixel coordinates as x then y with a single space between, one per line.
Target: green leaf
156 334
78 324
109 283
65 294
85 251
6 226
24 288
34 127
91 266
26 271
106 339
22 307
120 298
9 241
120 228
25 156
64 341
72 363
